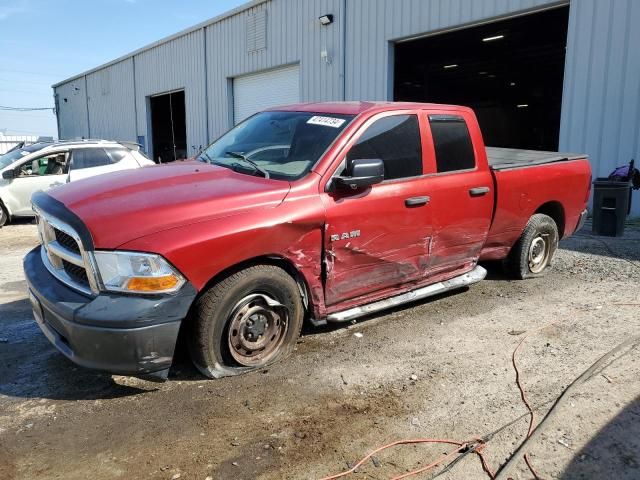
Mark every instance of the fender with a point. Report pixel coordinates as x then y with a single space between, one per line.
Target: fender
293 231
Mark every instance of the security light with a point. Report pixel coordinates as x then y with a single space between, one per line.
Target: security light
453 65
523 105
326 20
491 39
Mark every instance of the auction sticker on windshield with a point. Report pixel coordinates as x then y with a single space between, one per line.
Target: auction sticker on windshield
326 121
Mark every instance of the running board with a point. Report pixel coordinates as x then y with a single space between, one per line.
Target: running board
468 278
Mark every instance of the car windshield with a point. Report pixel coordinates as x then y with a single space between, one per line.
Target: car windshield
282 145
10 157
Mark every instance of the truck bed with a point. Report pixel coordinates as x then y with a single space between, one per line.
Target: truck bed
524 182
505 158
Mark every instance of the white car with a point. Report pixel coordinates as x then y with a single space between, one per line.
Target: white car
45 165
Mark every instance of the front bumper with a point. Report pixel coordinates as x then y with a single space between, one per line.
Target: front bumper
123 334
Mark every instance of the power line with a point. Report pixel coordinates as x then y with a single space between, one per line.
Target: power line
24 109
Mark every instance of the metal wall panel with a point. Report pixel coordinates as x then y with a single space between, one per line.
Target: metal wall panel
72 109
601 99
111 102
176 65
294 35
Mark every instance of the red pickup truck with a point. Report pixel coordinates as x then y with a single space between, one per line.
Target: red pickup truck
320 212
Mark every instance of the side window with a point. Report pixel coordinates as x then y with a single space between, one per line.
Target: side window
89 158
33 168
53 164
452 142
396 141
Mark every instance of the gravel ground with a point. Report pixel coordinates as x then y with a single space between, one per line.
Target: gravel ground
437 369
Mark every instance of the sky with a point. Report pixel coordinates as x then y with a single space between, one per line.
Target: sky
45 41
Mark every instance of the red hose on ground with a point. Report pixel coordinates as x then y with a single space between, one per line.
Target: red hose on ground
460 445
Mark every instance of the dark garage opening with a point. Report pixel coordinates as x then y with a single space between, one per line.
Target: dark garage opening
510 72
168 127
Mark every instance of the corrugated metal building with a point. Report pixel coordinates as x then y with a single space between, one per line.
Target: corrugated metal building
278 51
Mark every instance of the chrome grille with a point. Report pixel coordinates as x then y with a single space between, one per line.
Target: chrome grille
67 241
79 274
64 255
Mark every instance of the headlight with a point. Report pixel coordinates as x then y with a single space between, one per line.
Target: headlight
137 272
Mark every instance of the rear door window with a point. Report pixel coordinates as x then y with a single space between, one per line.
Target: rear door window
116 154
452 143
396 141
89 158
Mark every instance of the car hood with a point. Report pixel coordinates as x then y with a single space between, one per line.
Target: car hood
121 206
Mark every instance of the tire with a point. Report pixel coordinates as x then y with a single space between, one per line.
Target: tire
4 215
534 250
245 322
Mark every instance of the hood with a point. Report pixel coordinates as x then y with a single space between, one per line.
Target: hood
121 206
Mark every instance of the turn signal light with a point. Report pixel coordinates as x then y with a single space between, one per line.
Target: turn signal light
152 284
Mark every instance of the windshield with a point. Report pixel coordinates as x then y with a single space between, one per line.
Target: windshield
8 158
286 145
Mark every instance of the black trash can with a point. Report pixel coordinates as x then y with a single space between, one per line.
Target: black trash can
611 205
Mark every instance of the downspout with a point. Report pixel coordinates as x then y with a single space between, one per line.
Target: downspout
206 84
86 98
135 101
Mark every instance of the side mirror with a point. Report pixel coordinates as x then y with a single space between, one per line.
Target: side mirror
362 172
8 174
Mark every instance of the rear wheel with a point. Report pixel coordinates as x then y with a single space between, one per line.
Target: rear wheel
246 321
4 215
534 250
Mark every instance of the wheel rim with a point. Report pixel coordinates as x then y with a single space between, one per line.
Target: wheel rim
538 254
257 328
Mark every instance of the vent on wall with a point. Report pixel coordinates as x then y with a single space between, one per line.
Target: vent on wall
256 30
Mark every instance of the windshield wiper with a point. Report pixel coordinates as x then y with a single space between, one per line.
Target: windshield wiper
205 154
257 167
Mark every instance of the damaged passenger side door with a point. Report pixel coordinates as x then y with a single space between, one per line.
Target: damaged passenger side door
377 237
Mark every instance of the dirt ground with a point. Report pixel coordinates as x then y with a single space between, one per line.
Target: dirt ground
437 369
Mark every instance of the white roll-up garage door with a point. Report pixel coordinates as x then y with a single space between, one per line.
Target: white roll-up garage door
255 92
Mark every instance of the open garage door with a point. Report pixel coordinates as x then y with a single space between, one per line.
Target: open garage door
255 92
168 127
510 72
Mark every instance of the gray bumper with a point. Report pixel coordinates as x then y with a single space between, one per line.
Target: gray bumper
124 334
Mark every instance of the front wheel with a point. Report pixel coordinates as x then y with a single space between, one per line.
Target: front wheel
533 251
246 321
4 215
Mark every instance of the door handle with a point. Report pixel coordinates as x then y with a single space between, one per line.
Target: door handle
479 191
416 201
